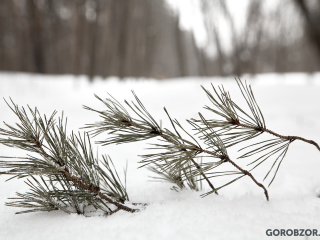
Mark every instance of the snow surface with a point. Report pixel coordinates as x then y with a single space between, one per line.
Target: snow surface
290 103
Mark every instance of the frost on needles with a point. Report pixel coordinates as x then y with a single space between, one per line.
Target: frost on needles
63 173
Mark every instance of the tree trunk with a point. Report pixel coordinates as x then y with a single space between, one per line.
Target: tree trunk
312 20
36 36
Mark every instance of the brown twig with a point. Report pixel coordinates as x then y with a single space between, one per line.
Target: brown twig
250 175
113 212
204 176
292 138
245 172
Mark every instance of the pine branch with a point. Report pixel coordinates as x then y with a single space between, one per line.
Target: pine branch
124 128
63 173
178 152
238 126
66 160
56 194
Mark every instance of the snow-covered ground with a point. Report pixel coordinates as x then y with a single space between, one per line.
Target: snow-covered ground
290 104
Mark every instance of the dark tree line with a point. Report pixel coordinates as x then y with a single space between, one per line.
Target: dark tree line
96 37
142 38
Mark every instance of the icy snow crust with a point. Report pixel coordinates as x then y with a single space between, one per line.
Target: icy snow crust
290 104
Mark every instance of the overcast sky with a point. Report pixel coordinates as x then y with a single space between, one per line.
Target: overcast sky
191 17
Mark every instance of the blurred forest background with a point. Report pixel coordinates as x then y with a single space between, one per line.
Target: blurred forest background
144 38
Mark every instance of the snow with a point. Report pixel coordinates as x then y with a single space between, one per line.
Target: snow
290 104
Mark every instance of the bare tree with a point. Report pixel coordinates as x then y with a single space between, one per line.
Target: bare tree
36 32
311 13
